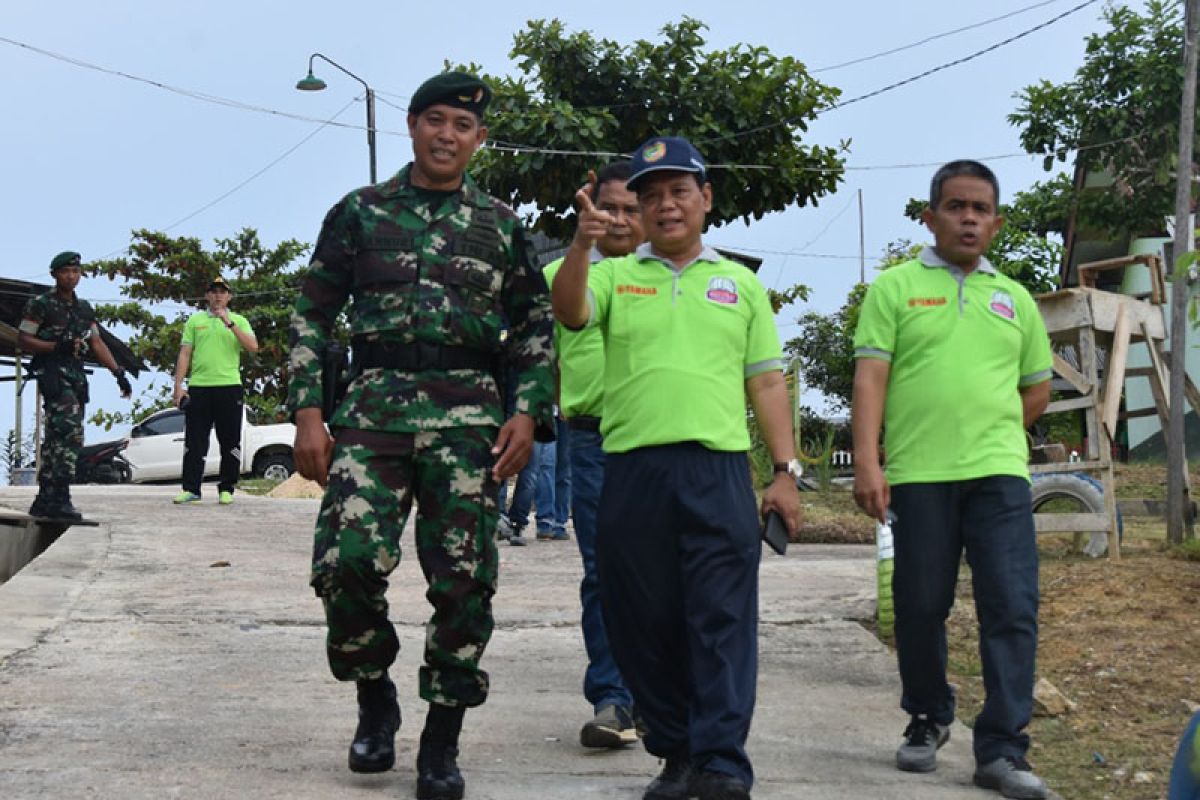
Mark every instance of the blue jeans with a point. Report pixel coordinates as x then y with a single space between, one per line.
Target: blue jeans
602 683
552 494
991 518
522 498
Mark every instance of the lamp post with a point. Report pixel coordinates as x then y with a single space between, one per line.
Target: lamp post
311 83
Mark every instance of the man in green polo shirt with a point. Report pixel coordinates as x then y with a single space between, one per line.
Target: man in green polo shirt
688 337
210 361
954 363
581 398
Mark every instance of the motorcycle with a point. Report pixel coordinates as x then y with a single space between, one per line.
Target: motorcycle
103 463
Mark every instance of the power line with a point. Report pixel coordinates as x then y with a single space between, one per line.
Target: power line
191 93
248 180
906 81
933 38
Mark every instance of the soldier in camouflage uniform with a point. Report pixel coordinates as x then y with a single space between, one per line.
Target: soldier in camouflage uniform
59 329
433 268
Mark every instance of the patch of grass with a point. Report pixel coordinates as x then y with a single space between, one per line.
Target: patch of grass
1188 551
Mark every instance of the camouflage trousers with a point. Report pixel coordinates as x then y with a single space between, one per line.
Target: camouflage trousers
64 436
373 480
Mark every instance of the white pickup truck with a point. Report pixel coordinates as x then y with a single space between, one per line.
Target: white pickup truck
155 449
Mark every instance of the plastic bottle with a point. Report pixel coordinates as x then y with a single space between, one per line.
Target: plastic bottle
885 556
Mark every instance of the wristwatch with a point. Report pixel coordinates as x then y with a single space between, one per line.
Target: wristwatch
793 468
229 324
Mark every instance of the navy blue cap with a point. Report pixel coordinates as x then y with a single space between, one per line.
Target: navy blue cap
665 153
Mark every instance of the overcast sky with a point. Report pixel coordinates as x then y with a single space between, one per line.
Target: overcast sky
89 156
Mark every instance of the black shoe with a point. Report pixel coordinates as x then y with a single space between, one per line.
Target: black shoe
63 508
438 776
374 745
706 785
43 503
922 738
673 783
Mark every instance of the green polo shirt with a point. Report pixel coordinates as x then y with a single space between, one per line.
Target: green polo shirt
678 348
961 347
580 361
216 352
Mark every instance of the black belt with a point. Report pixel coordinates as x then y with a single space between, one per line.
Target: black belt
582 423
418 356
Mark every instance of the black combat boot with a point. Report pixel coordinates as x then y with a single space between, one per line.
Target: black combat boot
43 504
62 502
438 777
374 745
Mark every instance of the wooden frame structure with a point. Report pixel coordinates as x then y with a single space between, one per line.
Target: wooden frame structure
1092 322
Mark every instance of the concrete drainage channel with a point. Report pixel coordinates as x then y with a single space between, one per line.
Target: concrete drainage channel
22 539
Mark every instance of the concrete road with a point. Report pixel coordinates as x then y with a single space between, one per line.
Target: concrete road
177 652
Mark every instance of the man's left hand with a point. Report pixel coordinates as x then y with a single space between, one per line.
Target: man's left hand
782 496
513 446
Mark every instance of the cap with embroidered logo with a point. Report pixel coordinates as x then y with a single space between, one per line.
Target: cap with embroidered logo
664 153
219 283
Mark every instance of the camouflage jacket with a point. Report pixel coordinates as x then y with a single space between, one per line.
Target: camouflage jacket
50 318
454 271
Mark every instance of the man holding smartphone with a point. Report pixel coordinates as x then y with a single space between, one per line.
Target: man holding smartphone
210 360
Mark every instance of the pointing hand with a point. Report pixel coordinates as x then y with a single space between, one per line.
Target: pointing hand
592 224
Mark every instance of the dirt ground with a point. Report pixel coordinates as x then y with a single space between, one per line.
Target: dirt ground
1121 639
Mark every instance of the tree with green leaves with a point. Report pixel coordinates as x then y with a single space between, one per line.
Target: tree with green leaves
824 348
577 94
1119 115
163 271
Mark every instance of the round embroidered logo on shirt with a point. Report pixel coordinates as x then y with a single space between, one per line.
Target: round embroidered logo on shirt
1002 304
723 291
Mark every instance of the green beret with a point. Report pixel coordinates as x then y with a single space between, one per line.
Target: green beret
64 259
457 89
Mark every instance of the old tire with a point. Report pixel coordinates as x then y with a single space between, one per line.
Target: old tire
275 466
1084 491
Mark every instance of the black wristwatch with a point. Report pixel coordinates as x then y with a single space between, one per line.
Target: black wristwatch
229 324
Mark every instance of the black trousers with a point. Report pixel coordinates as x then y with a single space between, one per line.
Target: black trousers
209 407
992 520
677 554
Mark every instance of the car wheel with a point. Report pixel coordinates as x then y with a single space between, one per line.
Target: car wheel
276 467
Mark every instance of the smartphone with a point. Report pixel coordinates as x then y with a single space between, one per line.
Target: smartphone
775 532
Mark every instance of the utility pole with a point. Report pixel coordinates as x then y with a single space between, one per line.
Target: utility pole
1179 505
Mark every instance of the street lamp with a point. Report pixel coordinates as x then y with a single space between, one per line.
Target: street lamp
311 83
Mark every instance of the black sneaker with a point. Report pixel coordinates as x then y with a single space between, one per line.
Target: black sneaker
673 783
612 728
922 738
